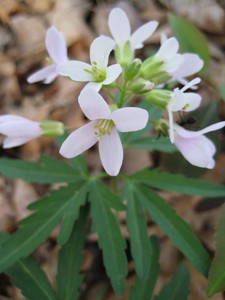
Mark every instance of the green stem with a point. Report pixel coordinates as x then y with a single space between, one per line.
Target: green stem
115 185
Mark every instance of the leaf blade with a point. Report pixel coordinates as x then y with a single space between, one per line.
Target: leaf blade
217 269
176 228
111 240
144 287
70 261
178 287
136 224
30 278
37 227
47 170
178 183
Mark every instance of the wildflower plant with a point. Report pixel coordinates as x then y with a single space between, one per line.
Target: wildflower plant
128 102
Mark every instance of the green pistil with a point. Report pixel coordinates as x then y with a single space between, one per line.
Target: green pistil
186 106
103 127
99 74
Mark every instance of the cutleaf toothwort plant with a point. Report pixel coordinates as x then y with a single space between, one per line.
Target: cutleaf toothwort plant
109 100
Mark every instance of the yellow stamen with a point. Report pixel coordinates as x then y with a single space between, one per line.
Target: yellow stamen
103 127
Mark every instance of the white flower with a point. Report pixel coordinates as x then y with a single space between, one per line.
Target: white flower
190 65
97 73
57 50
181 101
119 26
195 147
103 128
167 54
18 130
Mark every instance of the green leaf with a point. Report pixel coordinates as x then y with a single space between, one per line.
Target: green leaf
178 183
189 37
178 287
217 269
137 227
144 287
111 240
48 170
71 214
70 261
222 91
37 227
27 275
175 227
151 143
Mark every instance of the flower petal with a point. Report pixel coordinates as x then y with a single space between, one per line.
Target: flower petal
10 118
173 64
192 64
130 119
93 105
76 70
178 100
193 101
190 134
43 74
15 141
143 33
100 50
119 26
171 126
198 150
111 152
79 141
168 49
56 45
112 73
25 128
94 85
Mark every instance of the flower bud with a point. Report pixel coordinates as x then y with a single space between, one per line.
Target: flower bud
52 128
152 69
132 70
159 98
124 54
141 86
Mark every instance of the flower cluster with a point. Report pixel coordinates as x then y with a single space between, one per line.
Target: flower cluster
129 76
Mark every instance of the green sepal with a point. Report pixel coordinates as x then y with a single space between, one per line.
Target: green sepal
124 54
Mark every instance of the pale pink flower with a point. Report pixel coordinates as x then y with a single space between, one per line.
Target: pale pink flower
120 28
181 101
195 147
103 128
57 50
97 73
18 130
